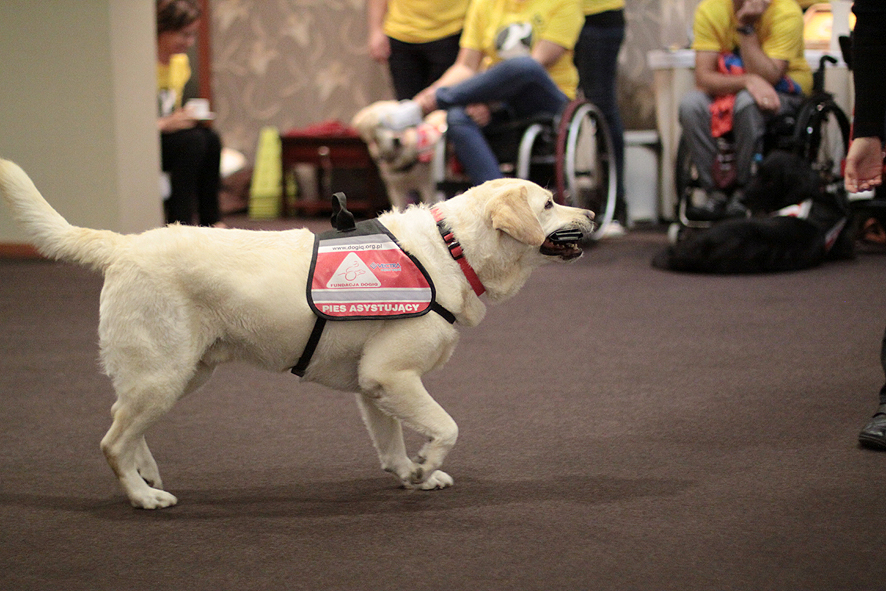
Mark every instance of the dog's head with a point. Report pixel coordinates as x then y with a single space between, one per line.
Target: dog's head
510 226
782 179
396 149
367 122
528 214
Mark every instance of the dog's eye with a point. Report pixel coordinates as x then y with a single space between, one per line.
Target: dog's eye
549 204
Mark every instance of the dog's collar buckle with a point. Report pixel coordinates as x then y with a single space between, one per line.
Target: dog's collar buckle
457 252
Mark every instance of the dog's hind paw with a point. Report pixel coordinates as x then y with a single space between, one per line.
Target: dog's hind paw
154 499
439 479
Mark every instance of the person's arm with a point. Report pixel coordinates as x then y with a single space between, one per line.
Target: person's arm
864 161
753 57
547 52
176 121
466 65
715 83
379 44
869 68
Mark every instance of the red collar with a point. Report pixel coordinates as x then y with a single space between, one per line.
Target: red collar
457 253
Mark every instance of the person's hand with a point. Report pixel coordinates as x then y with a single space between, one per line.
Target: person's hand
176 121
480 113
751 11
379 46
864 164
427 100
763 93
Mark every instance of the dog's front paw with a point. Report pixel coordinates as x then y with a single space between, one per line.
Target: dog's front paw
154 499
439 479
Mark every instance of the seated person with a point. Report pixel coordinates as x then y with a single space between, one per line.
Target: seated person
191 151
515 58
749 67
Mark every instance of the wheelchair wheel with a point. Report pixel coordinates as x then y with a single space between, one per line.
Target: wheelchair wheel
822 138
585 163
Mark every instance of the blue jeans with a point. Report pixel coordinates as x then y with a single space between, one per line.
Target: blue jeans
521 84
596 58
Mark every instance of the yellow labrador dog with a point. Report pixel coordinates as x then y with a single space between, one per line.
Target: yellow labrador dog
403 157
178 301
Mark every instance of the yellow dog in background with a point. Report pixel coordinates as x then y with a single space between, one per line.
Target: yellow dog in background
403 156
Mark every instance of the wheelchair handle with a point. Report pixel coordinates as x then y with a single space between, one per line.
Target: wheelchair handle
818 75
826 58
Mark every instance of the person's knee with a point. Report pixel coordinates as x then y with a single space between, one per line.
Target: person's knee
187 143
694 107
457 118
521 68
745 105
746 116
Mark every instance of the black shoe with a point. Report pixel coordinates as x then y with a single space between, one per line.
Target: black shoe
735 207
873 435
711 210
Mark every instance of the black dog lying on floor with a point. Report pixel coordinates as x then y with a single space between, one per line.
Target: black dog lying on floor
805 226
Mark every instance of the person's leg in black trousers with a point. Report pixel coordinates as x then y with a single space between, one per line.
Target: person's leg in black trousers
415 66
192 158
874 433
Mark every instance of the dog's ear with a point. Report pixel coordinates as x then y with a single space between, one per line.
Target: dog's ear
509 212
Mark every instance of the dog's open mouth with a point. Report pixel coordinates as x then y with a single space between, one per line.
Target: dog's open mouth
563 244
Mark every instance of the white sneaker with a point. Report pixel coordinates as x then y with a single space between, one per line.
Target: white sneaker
613 229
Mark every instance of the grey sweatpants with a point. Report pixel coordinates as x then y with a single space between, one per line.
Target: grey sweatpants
748 125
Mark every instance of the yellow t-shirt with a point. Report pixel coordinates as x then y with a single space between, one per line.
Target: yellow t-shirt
598 6
421 21
780 30
171 80
502 29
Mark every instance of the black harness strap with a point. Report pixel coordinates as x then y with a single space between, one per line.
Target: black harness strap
303 361
446 314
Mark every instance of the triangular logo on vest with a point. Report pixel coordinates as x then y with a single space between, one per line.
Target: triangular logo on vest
352 272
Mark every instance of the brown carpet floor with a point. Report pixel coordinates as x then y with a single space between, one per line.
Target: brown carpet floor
622 428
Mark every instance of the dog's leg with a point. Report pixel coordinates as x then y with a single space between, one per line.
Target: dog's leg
401 397
429 194
124 445
146 465
398 198
386 433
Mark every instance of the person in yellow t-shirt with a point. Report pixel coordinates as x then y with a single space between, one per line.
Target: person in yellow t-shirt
596 57
515 57
417 38
765 39
804 4
191 152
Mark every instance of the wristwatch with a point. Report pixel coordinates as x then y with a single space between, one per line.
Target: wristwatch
747 29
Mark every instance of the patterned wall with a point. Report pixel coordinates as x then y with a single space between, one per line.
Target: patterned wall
291 63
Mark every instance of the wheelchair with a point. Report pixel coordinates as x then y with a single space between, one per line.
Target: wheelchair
818 132
571 154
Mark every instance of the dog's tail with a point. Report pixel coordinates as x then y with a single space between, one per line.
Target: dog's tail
53 236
